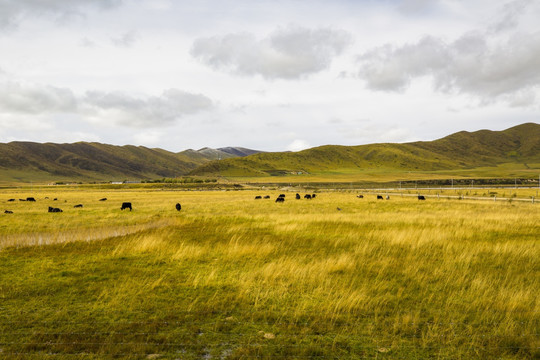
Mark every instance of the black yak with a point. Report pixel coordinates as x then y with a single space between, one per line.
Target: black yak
126 205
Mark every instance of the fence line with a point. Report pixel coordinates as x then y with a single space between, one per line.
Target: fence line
394 192
288 334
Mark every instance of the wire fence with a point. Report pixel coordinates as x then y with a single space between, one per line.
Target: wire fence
394 192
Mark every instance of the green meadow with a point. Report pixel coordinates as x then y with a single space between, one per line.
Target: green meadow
230 277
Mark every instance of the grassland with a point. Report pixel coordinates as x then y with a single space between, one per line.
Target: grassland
230 277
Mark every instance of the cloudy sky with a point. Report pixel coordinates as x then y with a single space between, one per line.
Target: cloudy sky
271 75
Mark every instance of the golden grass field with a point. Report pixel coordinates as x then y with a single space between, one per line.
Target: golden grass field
230 277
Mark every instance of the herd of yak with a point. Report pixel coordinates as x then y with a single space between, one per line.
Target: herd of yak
127 205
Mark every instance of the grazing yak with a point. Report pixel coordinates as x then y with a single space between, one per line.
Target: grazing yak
258 197
178 207
307 196
379 197
51 209
11 200
313 196
360 196
280 199
8 212
281 195
30 199
421 197
387 197
297 196
104 199
126 205
267 196
78 206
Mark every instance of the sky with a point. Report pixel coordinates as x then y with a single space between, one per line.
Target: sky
271 75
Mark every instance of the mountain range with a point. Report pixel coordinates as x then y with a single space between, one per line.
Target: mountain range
83 161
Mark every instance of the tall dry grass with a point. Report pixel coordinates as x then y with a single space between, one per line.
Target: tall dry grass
234 277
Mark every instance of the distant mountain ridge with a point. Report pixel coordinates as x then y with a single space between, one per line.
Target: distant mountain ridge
462 150
239 151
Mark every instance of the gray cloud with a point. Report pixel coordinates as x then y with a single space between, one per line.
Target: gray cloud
415 6
510 14
22 98
13 12
125 40
288 53
389 68
127 110
473 64
17 98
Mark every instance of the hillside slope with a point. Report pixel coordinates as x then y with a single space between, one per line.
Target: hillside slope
462 150
90 161
26 161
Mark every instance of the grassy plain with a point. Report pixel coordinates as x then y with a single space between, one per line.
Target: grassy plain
230 277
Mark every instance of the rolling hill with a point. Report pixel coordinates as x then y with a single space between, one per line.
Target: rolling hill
462 150
28 161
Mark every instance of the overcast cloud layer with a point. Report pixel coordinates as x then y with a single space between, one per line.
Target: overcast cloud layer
269 75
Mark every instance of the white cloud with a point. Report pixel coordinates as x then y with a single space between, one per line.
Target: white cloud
474 64
16 97
522 99
128 110
13 12
15 123
374 133
288 53
298 145
389 68
149 138
19 98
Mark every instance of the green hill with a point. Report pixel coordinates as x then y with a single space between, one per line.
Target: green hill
24 161
459 151
462 152
29 161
